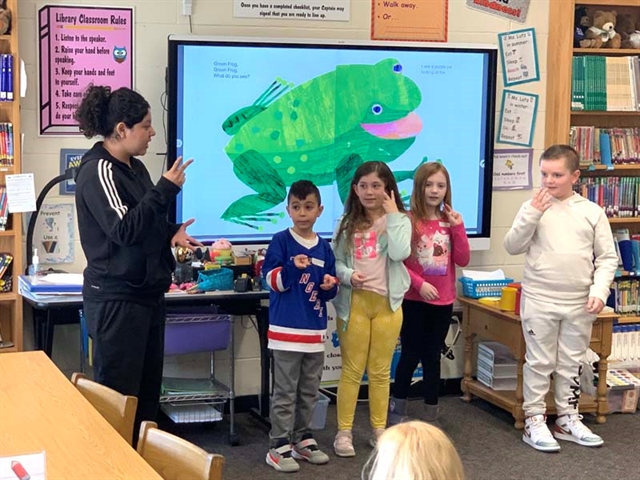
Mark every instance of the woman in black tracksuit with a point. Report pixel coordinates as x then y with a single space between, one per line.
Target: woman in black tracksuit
127 239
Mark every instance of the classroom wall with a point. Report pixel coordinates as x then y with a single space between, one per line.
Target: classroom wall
156 19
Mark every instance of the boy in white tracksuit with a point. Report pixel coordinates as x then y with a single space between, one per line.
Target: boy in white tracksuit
570 262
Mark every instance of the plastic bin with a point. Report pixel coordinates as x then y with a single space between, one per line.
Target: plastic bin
483 288
320 412
196 329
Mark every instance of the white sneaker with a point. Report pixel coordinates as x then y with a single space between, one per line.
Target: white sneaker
537 434
571 428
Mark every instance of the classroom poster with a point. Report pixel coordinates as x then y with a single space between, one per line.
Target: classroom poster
517 118
70 158
512 9
320 10
54 233
411 20
79 46
512 169
519 57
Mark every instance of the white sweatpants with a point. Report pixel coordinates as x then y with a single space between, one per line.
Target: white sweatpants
557 338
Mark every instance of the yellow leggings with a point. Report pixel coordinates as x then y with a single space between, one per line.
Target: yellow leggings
368 342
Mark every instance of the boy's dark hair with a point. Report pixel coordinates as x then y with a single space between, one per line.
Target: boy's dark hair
568 153
302 189
101 110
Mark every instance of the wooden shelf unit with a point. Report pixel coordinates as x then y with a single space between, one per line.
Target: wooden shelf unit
11 239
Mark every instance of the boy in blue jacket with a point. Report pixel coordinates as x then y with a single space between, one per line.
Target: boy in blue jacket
299 268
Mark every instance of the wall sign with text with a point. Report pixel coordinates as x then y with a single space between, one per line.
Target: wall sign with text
415 20
319 10
511 9
512 169
79 46
519 57
518 118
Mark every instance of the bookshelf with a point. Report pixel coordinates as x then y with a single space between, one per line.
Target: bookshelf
11 237
560 118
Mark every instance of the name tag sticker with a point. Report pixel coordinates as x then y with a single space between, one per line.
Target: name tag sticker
317 262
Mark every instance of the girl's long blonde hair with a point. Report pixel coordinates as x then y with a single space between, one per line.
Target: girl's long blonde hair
414 451
355 215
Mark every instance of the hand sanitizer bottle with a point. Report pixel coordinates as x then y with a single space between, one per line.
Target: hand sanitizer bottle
34 268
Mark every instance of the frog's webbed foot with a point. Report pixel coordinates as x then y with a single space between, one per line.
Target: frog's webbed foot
264 217
255 172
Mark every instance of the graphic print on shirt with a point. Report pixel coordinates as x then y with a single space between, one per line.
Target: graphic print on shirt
366 245
312 293
433 251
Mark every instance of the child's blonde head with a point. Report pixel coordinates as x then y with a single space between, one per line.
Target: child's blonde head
419 196
414 451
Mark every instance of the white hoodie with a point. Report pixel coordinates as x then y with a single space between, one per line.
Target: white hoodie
570 251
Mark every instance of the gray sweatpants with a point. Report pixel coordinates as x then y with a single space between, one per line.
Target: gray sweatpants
557 338
296 380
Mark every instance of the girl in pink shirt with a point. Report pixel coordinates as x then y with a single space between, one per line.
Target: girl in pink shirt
439 242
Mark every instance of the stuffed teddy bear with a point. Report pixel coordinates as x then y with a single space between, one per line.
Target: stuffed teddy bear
628 26
5 18
602 33
581 23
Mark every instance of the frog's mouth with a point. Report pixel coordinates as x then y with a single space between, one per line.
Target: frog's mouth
405 127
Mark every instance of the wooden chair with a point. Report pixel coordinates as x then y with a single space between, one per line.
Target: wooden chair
119 410
177 459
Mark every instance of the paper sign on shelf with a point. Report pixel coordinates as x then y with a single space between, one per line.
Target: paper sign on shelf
21 193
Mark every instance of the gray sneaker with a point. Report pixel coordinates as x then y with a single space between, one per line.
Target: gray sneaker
308 450
280 458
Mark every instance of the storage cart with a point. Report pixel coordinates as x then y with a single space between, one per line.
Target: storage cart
186 400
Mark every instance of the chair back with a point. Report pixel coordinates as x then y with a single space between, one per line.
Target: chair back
175 458
119 410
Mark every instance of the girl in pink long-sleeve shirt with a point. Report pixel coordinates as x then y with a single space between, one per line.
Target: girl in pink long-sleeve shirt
439 243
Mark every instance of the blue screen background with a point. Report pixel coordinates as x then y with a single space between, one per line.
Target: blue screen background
210 88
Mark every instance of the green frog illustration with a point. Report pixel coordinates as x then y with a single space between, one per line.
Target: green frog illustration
322 131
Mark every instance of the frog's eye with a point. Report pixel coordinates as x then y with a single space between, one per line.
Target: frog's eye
397 68
376 109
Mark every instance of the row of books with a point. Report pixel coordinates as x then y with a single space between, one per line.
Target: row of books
4 208
6 282
6 144
628 249
605 83
626 292
6 77
606 146
619 196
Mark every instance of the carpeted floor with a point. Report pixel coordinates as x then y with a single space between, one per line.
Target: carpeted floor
489 445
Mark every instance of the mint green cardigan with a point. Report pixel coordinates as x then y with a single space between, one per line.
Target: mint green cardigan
396 244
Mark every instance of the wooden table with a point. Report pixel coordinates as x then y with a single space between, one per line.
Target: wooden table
489 323
41 410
